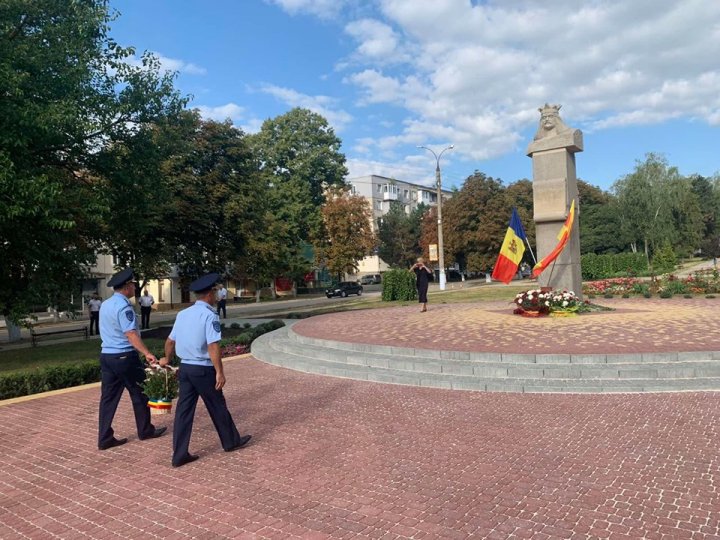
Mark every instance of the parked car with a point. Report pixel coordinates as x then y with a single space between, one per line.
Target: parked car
343 289
371 279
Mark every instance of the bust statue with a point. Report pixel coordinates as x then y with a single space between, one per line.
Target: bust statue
553 133
550 122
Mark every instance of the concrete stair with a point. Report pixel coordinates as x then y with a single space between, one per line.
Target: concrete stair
596 373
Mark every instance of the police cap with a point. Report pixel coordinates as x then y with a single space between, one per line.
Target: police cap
204 283
121 278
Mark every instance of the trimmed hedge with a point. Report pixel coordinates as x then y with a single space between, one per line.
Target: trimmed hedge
612 265
398 285
23 383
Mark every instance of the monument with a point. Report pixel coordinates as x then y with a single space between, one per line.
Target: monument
554 188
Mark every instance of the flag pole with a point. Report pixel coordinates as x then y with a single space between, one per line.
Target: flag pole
530 248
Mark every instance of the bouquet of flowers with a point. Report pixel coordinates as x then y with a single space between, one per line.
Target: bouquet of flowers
533 301
161 387
536 302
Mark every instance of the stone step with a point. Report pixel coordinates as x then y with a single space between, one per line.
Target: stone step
280 349
513 358
664 370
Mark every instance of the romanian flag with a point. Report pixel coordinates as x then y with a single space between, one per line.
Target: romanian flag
563 237
511 251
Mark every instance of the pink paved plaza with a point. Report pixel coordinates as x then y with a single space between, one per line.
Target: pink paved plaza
337 458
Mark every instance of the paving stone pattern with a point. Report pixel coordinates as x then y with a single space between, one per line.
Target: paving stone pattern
636 326
338 458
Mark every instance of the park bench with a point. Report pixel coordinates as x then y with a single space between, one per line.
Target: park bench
35 336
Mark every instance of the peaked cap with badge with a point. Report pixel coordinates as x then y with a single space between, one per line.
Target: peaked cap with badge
204 283
121 278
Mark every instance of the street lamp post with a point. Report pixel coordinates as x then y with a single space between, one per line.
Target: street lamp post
438 180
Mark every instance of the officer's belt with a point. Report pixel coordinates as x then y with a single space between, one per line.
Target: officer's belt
197 361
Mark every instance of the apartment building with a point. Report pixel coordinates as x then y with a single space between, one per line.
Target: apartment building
380 191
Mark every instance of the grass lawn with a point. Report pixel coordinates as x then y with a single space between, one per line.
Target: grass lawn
61 353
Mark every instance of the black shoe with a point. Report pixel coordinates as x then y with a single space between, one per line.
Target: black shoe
112 444
241 442
158 431
184 461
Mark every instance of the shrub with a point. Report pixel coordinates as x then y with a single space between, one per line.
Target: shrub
398 285
247 325
710 296
596 266
608 295
664 260
235 326
626 295
23 383
666 294
687 296
647 294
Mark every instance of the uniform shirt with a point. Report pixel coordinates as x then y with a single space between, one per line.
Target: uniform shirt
116 318
147 301
94 304
222 293
196 327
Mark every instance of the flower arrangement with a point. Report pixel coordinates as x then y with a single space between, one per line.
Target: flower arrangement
537 302
161 387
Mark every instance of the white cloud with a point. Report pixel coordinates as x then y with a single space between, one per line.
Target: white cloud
479 71
378 41
171 64
408 170
322 105
325 9
221 113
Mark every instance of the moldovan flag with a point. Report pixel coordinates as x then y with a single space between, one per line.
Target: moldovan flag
511 251
563 237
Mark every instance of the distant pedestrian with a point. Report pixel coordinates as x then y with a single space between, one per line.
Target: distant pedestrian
146 303
120 365
422 278
195 338
221 301
94 310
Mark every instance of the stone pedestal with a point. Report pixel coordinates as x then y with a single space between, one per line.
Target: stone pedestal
554 189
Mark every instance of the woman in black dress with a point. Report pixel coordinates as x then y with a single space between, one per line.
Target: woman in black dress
422 275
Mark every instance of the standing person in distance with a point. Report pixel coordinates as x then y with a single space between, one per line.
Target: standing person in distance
422 278
195 338
120 364
146 303
94 310
221 301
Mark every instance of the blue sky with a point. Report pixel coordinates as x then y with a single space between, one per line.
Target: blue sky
635 76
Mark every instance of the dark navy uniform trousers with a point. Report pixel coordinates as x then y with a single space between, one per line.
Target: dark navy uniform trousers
120 371
199 381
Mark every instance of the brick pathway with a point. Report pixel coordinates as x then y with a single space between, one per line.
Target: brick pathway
336 458
636 325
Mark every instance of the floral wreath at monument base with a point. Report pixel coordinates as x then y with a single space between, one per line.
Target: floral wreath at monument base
546 301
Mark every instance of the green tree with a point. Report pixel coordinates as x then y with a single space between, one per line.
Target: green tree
600 229
348 231
399 235
475 220
300 155
645 206
215 199
68 90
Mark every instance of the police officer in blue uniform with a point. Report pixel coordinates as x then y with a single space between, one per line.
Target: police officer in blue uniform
195 338
120 363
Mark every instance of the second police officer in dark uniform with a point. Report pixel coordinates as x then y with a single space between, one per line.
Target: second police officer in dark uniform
195 338
120 363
